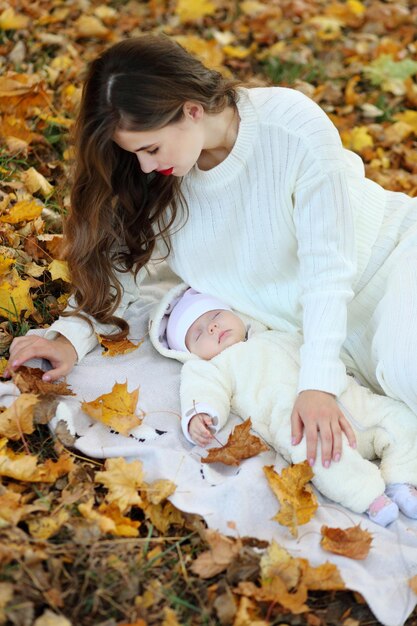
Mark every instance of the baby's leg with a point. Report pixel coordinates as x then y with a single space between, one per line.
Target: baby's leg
389 432
353 482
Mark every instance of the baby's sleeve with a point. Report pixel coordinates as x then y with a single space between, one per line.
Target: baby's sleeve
204 389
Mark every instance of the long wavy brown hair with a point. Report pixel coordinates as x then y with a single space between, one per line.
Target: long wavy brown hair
117 211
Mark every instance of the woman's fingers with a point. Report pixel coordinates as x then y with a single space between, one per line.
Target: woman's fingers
59 352
311 432
297 428
348 430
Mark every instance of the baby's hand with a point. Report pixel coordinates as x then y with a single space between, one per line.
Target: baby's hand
199 429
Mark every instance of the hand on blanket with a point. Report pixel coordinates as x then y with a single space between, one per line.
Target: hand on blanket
199 429
59 352
319 414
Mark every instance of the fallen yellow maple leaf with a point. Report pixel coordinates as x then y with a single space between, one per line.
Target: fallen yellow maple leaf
163 515
22 211
59 269
353 542
240 445
9 20
190 10
286 579
123 481
25 466
48 525
209 52
115 409
109 519
18 418
221 553
297 500
5 264
15 297
357 138
159 490
13 508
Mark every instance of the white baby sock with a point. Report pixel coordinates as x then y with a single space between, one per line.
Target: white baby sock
405 496
382 510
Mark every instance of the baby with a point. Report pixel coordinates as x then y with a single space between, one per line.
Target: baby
233 363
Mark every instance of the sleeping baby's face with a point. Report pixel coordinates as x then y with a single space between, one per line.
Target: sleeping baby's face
213 332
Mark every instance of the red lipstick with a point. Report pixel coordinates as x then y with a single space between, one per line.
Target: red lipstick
166 172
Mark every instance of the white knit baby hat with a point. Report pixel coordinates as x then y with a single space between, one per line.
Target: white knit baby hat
189 308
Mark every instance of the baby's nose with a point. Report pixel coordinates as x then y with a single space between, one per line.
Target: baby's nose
212 327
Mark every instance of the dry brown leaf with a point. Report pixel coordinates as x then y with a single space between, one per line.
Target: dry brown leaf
123 481
353 542
18 418
240 445
116 348
222 552
297 500
115 409
29 380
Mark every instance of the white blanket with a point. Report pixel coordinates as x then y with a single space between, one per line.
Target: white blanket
225 494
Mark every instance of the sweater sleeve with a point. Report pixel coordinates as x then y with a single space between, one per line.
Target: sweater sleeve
79 332
204 388
326 252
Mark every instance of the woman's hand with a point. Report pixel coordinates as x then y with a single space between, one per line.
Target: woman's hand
319 414
59 352
199 429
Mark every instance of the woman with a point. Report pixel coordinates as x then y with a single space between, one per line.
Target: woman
251 197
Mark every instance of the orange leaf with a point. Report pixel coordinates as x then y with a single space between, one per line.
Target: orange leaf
352 542
240 445
115 348
115 409
298 502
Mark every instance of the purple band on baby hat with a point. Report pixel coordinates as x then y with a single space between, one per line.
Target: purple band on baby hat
188 309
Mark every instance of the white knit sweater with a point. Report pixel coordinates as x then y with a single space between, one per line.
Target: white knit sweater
286 229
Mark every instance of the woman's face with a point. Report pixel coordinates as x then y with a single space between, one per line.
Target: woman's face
173 149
